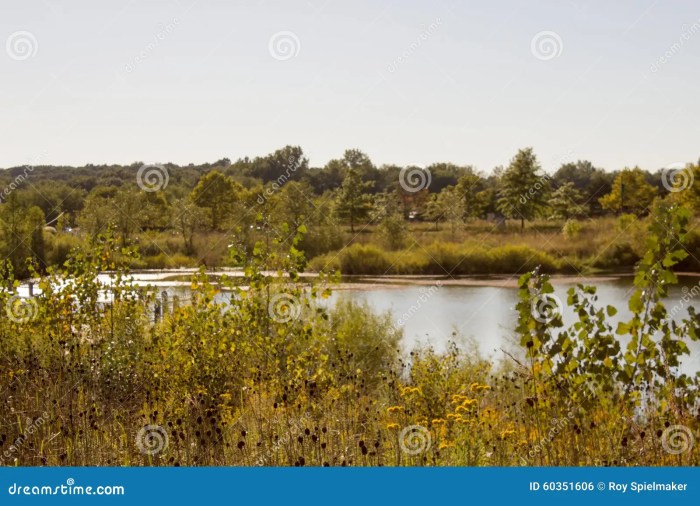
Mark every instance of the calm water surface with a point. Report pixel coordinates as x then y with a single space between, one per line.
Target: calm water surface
485 315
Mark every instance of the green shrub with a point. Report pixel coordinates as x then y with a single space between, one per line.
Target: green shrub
361 259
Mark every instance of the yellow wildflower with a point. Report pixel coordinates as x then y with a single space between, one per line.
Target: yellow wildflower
438 421
395 409
392 426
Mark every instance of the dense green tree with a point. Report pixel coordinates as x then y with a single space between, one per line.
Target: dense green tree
443 175
387 211
523 188
631 193
591 182
35 225
186 217
13 225
219 194
447 207
353 201
566 202
475 193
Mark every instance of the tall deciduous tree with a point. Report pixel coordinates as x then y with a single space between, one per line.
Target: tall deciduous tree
353 201
631 193
217 193
447 206
523 188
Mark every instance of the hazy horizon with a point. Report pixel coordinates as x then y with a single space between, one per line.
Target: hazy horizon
466 83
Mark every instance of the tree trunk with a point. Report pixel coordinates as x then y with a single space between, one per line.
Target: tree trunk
522 223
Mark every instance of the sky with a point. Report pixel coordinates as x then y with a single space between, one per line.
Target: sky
407 82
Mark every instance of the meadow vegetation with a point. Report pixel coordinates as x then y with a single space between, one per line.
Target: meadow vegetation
269 375
360 218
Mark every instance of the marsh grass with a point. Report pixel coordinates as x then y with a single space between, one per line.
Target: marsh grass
275 379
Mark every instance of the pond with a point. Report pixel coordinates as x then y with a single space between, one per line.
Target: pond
483 315
474 312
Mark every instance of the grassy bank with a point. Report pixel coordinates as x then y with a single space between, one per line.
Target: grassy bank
273 378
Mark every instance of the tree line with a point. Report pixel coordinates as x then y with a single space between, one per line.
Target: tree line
281 190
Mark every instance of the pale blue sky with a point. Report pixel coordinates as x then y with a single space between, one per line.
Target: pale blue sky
193 81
